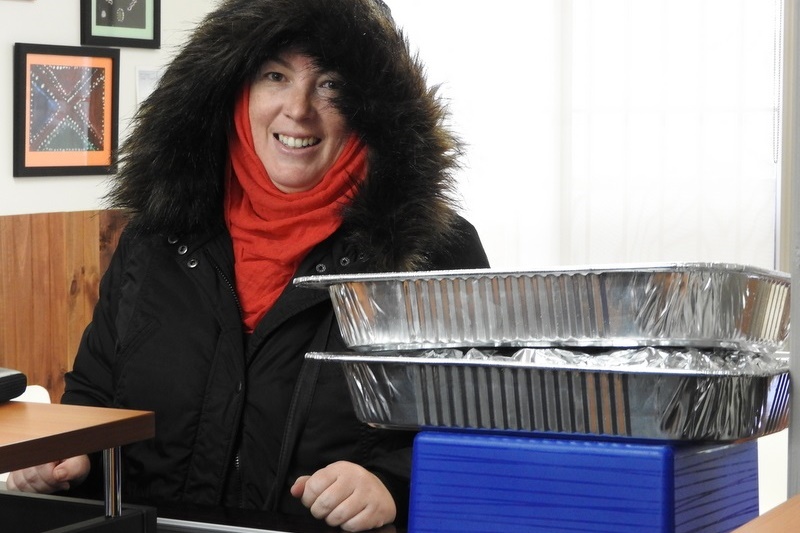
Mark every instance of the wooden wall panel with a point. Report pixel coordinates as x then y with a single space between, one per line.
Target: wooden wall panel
42 284
50 269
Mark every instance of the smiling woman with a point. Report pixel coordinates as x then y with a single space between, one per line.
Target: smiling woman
339 160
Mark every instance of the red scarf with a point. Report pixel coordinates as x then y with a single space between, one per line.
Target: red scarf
271 230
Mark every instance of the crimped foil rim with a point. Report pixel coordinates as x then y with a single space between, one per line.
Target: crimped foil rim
372 358
324 281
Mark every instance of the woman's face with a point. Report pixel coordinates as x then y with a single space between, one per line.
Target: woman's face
298 133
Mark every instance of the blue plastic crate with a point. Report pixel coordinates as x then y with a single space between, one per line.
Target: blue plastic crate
472 482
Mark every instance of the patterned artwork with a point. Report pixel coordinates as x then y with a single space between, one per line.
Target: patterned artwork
67 108
121 13
135 23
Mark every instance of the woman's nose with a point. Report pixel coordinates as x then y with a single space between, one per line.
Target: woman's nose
299 104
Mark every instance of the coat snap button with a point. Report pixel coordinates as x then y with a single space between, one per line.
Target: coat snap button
191 263
182 249
172 239
344 261
321 268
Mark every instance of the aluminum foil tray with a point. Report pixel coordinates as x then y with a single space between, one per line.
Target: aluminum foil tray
701 305
403 392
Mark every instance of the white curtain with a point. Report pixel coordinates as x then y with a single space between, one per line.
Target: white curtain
673 109
608 131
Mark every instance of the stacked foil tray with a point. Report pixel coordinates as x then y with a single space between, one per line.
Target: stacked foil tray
405 330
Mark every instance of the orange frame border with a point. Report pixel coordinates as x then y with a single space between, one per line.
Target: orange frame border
36 163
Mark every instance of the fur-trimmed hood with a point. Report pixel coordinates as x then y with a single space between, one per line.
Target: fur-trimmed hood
171 167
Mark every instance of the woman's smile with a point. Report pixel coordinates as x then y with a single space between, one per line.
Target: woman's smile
296 142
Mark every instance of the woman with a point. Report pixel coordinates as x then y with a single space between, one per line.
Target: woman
287 138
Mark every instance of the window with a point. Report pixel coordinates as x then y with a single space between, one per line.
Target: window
605 131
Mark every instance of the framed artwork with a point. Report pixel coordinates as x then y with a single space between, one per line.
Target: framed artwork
131 23
65 109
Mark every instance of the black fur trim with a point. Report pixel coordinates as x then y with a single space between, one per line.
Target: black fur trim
173 164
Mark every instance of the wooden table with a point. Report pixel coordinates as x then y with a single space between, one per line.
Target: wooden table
36 433
783 518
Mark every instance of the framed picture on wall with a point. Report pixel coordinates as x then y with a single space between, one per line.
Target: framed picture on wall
132 23
65 109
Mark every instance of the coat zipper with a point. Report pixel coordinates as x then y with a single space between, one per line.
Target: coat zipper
230 286
235 483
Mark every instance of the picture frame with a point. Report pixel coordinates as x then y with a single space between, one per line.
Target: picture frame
66 110
123 23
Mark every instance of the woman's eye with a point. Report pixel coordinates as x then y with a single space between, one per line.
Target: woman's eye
331 85
273 76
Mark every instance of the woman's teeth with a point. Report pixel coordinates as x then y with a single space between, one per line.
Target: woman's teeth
296 142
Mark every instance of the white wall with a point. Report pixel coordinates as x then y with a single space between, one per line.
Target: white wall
505 111
57 22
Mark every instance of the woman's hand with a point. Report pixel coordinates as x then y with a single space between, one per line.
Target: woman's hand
50 477
347 495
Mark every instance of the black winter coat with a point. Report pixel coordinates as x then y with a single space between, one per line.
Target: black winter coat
167 337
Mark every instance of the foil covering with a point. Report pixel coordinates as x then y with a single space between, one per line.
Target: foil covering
649 393
701 305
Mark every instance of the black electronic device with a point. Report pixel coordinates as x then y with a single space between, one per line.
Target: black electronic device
12 384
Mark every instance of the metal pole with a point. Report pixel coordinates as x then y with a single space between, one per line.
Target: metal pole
112 464
790 164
